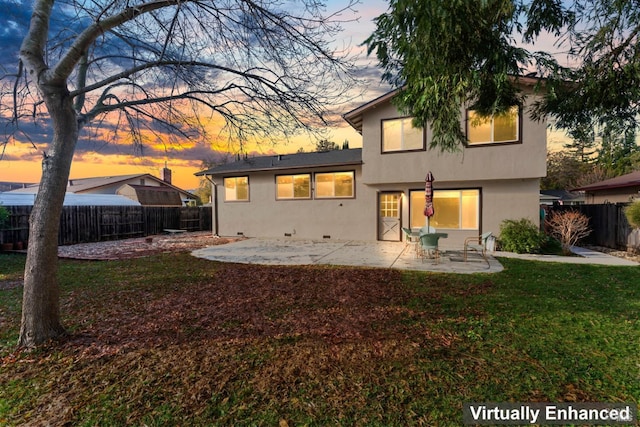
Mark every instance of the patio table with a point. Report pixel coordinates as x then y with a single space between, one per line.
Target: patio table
419 248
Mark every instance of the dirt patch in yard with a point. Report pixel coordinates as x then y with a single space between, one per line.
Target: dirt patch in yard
133 248
142 246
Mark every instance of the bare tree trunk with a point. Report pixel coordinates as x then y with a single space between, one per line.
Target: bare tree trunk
41 295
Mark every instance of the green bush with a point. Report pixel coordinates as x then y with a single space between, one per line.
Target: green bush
632 213
4 216
550 245
521 236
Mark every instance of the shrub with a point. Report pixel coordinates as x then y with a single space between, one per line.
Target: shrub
632 212
521 236
569 227
551 246
4 216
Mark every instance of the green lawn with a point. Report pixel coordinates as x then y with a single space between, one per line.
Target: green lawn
173 340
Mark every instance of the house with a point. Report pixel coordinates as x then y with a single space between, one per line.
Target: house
621 189
145 189
561 197
8 186
372 192
70 199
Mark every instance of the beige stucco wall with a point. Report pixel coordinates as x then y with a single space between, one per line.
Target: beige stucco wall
504 161
499 200
508 177
264 216
356 219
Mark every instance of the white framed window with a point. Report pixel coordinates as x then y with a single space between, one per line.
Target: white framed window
236 189
293 186
498 129
334 185
454 209
400 135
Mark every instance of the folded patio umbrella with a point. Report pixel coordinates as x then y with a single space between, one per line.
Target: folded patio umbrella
428 197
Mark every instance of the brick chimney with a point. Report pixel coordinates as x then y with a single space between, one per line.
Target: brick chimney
165 174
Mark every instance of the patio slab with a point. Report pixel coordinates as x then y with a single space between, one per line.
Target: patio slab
333 252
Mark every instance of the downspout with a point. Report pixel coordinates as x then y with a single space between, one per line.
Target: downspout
214 202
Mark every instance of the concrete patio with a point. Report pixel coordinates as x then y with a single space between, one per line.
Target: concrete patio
374 254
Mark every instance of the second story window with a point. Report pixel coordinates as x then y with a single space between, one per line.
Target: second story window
400 135
498 129
236 189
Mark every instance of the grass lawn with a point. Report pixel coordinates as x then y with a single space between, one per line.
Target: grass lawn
174 340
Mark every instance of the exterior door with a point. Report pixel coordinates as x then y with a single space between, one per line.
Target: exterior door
389 213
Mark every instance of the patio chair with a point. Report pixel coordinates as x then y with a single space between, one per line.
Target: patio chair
427 229
478 244
409 236
429 244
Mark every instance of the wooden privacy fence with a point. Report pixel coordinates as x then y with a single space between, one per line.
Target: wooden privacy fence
609 225
85 224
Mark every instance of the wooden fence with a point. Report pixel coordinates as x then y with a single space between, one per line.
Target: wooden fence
609 225
85 224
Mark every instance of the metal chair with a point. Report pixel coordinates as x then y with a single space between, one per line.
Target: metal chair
429 244
478 244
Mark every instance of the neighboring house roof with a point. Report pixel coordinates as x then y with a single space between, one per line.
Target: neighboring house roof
564 195
87 185
548 198
155 196
70 199
8 186
629 180
289 161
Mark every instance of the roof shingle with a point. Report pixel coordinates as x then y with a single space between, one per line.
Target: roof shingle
289 161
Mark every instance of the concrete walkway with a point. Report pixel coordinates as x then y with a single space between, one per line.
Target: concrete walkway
585 256
371 254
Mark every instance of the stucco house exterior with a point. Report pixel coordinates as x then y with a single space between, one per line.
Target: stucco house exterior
372 192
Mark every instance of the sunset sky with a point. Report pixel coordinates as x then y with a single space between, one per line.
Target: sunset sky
97 155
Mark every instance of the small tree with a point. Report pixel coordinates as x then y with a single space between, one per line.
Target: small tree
632 212
569 227
325 145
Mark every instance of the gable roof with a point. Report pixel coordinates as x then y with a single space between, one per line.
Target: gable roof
629 180
156 196
563 195
83 185
354 117
289 161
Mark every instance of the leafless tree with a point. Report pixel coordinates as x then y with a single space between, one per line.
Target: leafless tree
569 227
268 68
